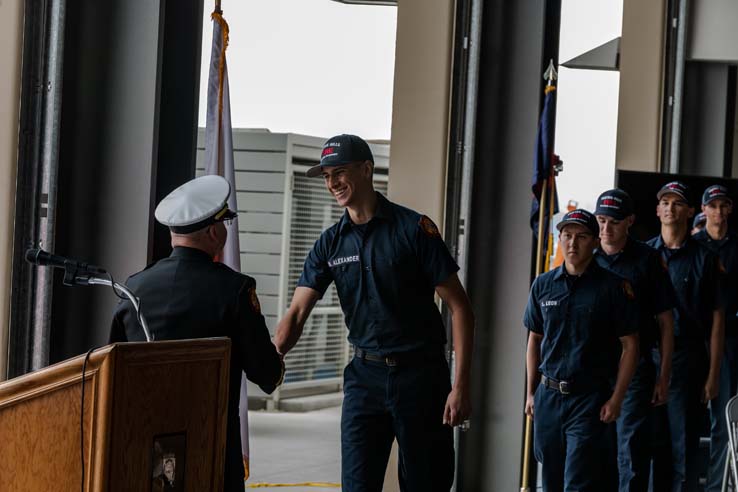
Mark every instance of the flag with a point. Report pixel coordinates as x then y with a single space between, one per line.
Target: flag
543 169
219 160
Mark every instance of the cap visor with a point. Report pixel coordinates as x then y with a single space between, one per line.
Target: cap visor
314 171
660 195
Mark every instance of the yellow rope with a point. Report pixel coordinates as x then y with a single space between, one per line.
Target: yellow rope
260 485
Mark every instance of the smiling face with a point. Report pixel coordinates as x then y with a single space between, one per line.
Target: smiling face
350 183
672 210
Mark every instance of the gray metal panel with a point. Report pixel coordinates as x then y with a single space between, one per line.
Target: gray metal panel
259 263
252 140
713 33
260 202
260 242
268 304
246 160
260 222
253 181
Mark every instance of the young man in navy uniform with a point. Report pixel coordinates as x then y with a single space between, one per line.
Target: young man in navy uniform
583 335
698 336
387 263
189 295
655 298
717 207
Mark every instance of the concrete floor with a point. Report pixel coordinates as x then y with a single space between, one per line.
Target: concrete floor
295 448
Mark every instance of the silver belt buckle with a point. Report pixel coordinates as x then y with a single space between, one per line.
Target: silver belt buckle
390 361
563 387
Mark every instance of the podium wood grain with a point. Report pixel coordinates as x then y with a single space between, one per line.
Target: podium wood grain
133 392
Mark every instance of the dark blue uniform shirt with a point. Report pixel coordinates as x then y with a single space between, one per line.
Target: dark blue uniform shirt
695 275
385 273
581 319
649 277
727 250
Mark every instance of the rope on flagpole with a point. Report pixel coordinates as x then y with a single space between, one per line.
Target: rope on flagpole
217 16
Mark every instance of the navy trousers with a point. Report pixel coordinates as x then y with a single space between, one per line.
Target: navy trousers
634 430
403 402
570 441
718 426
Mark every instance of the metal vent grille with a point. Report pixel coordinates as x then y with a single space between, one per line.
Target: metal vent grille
323 350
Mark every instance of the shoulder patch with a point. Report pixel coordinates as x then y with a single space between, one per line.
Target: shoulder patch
628 290
428 227
254 300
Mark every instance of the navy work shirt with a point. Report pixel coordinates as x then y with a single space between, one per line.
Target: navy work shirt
581 319
695 275
647 273
727 249
385 272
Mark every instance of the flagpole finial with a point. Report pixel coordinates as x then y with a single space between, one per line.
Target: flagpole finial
550 74
217 7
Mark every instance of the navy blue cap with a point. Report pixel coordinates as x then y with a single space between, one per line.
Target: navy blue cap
676 187
615 203
340 150
714 192
699 219
581 217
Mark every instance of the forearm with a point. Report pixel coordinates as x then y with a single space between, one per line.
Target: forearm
626 369
666 346
288 331
463 333
532 360
717 342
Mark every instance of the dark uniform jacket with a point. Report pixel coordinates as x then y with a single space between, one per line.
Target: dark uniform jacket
695 275
727 250
187 295
649 277
581 320
386 272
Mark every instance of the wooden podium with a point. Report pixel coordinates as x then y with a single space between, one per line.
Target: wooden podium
151 411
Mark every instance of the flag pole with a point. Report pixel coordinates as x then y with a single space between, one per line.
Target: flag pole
217 7
550 75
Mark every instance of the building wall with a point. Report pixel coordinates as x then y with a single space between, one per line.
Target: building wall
11 38
641 79
420 111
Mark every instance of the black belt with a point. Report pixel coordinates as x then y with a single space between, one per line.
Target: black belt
400 358
563 387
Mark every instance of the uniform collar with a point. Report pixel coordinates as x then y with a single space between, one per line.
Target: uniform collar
382 212
193 253
561 270
659 244
703 235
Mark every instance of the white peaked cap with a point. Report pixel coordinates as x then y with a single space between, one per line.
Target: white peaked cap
201 200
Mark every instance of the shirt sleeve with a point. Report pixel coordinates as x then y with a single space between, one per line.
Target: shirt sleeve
624 308
252 344
436 261
659 291
316 273
533 317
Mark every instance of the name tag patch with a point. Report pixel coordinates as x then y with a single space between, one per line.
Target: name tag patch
549 303
343 260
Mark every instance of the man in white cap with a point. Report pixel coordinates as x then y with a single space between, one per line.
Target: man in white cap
189 295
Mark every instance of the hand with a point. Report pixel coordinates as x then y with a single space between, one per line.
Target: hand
610 411
660 391
711 389
458 407
529 405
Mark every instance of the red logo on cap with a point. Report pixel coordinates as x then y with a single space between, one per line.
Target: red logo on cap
577 215
327 151
610 202
715 191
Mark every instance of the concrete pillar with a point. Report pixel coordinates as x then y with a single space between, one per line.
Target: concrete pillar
11 41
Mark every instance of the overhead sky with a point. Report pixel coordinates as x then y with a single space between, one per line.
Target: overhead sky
315 67
320 67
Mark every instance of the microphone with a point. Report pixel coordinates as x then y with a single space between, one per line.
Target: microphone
40 257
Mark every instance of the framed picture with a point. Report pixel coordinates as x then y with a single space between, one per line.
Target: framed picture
168 462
